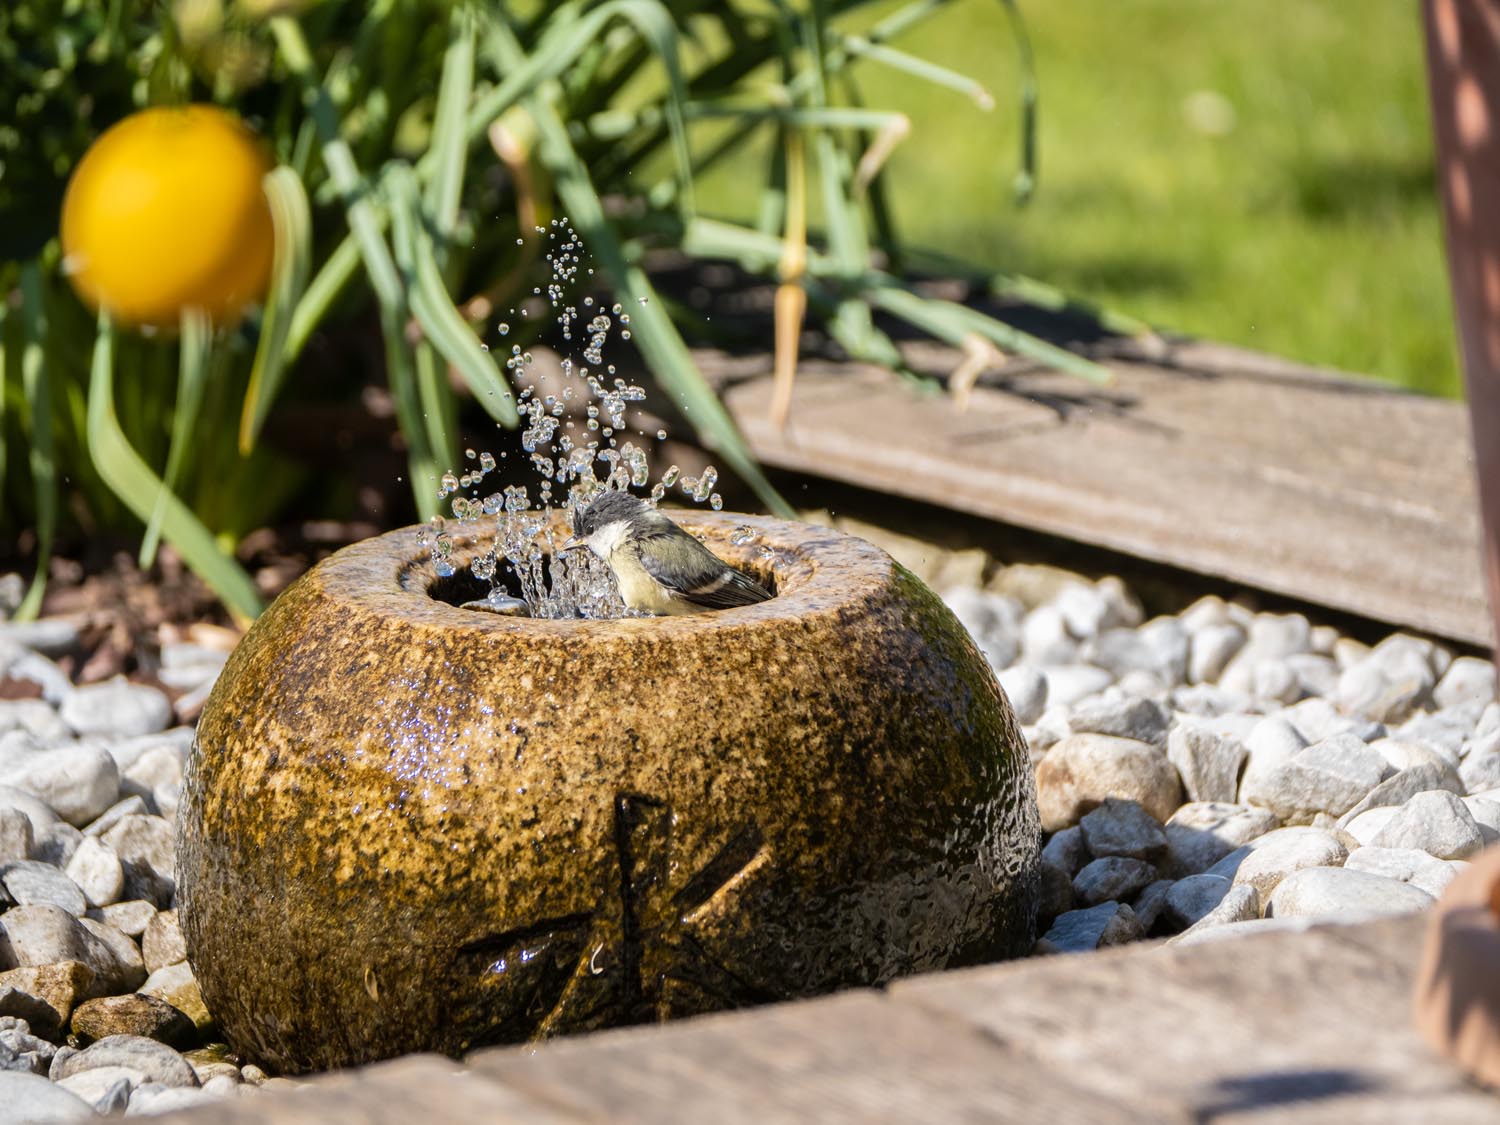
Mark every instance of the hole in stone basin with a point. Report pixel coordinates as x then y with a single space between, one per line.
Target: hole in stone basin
461 586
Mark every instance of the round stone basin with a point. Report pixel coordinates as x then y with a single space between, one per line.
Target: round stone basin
409 826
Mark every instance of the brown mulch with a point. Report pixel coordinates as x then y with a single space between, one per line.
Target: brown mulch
126 615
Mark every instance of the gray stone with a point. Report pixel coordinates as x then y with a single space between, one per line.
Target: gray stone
1210 650
1192 899
163 944
130 806
1271 743
1316 719
1078 773
1401 787
1149 904
56 844
1367 825
1045 638
1338 892
155 1061
1112 877
1067 851
1120 715
43 935
1026 688
16 835
1330 776
1316 675
1055 896
1489 720
29 881
1202 833
1160 647
1239 906
33 666
1068 683
1087 610
31 1098
146 849
44 996
130 918
20 1049
105 1088
1405 865
1486 814
993 620
151 1098
1437 822
117 707
178 987
1274 679
1123 828
1467 680
97 871
1209 701
1444 731
136 1015
1403 754
1392 681
1208 763
1207 611
1479 771
35 811
186 665
1265 862
77 782
1271 637
1078 931
50 636
34 717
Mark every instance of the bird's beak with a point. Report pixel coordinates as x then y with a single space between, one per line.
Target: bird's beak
573 544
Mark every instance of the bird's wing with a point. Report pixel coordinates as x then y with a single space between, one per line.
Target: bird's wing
709 582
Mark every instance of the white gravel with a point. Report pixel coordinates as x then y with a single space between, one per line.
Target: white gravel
1292 772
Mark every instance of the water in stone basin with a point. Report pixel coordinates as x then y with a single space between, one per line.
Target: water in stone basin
548 582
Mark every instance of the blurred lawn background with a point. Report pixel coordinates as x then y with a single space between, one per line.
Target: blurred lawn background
1259 173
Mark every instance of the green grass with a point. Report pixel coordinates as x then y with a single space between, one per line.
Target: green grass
1309 229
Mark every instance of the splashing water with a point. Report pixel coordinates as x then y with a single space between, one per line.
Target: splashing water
571 466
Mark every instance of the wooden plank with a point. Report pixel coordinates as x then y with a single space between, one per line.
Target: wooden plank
414 1088
853 1057
1336 491
1281 1026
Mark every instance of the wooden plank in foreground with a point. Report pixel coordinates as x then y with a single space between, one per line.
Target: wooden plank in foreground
1304 1026
1336 491
1310 1026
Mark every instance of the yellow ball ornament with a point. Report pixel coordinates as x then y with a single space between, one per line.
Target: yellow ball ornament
166 212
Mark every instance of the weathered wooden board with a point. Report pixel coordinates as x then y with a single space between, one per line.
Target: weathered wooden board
1337 491
1306 1026
857 1057
1299 1027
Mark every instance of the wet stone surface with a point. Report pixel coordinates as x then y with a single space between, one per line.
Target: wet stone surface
587 823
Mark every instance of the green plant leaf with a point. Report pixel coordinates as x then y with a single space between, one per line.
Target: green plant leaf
449 150
195 344
292 219
132 480
37 389
441 322
656 335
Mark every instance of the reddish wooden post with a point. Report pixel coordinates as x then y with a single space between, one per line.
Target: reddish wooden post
1463 76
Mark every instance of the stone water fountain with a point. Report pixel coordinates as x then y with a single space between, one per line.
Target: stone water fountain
411 826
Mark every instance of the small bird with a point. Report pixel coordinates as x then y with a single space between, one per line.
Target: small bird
659 568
